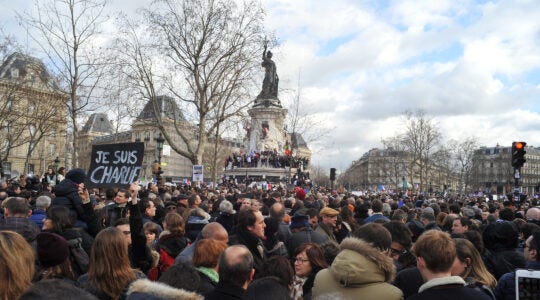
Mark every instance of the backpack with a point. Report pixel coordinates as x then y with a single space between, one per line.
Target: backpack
78 257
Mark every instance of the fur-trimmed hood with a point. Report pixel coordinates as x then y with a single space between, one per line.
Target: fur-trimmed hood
359 263
145 289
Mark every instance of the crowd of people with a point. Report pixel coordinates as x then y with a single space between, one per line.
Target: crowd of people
265 159
61 240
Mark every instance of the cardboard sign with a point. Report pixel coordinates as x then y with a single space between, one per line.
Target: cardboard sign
115 165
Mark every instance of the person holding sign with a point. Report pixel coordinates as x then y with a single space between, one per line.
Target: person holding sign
68 194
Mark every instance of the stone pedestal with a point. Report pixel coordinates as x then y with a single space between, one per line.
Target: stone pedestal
266 131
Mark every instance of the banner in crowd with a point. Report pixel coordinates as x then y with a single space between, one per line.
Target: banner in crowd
115 165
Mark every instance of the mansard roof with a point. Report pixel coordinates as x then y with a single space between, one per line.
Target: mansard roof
298 141
166 106
98 122
21 67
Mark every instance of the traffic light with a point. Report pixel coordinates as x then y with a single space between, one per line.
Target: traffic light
332 174
518 154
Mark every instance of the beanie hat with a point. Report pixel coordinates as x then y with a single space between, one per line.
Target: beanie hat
300 193
299 221
76 175
52 249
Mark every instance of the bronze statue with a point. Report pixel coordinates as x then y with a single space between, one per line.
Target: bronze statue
271 80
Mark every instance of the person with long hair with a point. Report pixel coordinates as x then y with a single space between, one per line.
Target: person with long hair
110 272
308 261
16 265
470 266
172 240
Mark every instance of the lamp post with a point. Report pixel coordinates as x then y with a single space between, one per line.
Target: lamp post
159 145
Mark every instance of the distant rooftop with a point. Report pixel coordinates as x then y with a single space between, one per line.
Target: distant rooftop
18 67
98 122
166 106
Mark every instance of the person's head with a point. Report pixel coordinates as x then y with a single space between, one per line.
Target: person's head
148 208
53 254
207 253
533 214
174 223
235 266
16 207
17 262
245 204
469 263
55 289
461 225
151 231
109 269
313 216
216 231
376 206
435 252
280 267
267 288
252 221
58 219
375 234
62 170
277 211
122 224
401 238
399 215
226 207
329 216
122 197
308 258
194 200
181 276
43 202
532 247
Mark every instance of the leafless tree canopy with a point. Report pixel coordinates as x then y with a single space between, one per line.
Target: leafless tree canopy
66 32
203 53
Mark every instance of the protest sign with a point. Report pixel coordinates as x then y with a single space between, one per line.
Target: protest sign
115 165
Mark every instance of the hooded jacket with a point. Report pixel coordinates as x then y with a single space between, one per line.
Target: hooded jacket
146 289
359 271
67 194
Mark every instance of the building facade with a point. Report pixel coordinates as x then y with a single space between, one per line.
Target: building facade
493 172
33 117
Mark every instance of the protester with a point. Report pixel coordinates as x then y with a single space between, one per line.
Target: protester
16 265
110 271
53 258
205 260
249 232
308 261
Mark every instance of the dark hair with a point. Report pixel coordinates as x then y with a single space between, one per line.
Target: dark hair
331 250
235 269
60 217
246 218
143 205
376 205
280 267
181 276
506 214
375 234
55 289
266 288
400 233
121 221
109 194
535 243
314 254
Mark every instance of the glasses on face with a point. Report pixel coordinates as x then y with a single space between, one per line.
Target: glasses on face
300 261
397 252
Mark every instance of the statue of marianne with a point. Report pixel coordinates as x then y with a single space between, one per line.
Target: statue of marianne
271 80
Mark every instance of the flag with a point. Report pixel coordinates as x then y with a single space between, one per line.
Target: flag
381 187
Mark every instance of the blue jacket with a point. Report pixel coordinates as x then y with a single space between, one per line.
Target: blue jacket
38 216
506 286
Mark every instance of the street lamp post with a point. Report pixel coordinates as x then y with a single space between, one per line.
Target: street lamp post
159 145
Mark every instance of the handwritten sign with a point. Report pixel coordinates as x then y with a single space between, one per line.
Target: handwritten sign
198 174
115 165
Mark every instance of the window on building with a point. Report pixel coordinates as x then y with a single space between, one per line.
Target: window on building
147 136
52 149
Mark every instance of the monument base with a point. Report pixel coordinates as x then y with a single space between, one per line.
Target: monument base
271 175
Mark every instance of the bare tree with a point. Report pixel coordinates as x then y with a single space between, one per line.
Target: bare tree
463 153
66 31
204 53
420 138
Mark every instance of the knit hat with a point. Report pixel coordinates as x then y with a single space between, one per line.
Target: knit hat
76 175
300 193
299 221
52 249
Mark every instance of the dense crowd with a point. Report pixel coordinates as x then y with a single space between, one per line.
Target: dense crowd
265 159
60 240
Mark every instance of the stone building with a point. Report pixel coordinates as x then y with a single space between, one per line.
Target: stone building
493 173
32 113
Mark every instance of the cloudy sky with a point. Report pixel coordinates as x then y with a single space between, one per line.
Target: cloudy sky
473 66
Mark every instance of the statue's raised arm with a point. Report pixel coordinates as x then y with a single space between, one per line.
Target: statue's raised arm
270 82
